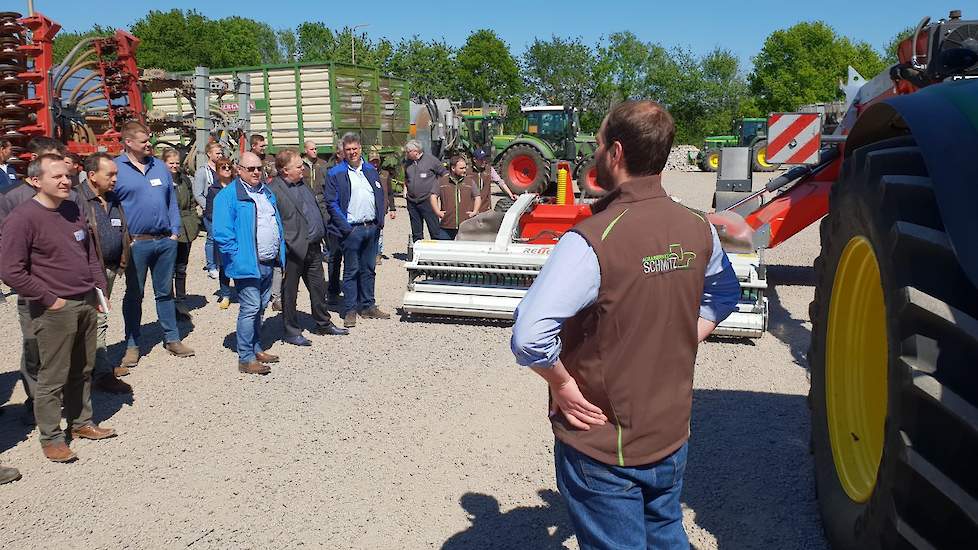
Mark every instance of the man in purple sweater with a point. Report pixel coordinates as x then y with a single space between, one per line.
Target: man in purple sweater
47 256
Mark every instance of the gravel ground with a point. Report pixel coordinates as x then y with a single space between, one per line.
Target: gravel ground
406 434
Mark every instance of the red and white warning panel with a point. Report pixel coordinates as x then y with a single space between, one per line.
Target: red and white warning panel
794 138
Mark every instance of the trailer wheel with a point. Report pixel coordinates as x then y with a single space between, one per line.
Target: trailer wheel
894 389
587 180
525 170
759 161
711 160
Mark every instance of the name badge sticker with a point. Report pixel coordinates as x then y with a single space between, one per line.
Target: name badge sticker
424 174
80 235
377 183
116 222
156 182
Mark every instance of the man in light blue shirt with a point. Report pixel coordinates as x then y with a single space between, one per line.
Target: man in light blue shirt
248 235
356 204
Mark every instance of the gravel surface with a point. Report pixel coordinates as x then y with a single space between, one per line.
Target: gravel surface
406 434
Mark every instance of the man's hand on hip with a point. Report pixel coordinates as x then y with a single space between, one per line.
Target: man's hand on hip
568 399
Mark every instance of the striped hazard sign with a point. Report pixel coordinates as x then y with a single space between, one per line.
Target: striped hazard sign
794 138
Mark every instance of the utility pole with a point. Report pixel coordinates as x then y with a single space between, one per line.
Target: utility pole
353 40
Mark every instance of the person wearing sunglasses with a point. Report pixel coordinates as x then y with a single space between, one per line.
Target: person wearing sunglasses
248 234
223 175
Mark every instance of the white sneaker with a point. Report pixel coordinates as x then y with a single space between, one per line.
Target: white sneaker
213 274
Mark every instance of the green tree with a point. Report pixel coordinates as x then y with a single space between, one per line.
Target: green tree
426 65
316 42
174 40
559 71
239 41
486 70
621 71
804 64
288 45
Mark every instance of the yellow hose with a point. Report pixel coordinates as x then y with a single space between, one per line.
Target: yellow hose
561 186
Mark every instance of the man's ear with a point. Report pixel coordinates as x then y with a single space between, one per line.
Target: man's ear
34 182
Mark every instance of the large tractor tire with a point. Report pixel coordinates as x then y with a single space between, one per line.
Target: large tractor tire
894 383
758 158
525 170
587 180
710 161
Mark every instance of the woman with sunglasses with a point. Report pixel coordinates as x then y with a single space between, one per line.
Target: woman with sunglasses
189 228
225 174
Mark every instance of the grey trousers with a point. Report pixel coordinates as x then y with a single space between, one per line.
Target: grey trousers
30 358
276 283
66 340
102 366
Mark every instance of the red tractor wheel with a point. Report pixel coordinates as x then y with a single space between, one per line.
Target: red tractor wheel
587 180
525 170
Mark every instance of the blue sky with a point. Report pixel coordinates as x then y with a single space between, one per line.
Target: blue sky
738 25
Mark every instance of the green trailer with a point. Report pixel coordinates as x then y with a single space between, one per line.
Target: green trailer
295 102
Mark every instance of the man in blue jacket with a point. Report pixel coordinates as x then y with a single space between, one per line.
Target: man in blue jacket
355 200
248 234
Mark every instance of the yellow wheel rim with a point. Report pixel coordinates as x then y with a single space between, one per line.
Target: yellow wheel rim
762 157
856 369
714 160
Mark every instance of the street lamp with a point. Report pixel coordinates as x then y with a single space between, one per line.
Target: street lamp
353 40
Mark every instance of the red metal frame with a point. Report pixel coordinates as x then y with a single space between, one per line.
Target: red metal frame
41 52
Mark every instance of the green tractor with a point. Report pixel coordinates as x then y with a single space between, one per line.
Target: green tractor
747 132
527 161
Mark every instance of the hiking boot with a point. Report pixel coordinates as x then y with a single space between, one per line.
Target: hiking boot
254 367
8 474
350 319
374 313
265 357
179 349
58 452
92 431
224 302
119 372
131 358
110 384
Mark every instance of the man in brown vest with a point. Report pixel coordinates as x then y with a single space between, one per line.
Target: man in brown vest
455 199
612 323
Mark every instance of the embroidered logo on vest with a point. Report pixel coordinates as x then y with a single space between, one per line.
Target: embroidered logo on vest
673 260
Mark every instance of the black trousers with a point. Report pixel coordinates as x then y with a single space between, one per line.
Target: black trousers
310 270
422 213
335 261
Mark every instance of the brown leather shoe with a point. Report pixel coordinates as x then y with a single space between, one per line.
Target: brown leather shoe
265 357
254 367
179 349
93 432
350 319
110 384
119 372
374 313
131 358
58 452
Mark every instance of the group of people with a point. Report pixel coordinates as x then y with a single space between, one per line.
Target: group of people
66 234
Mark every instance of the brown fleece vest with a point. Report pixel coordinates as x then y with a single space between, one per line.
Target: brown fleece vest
456 199
632 351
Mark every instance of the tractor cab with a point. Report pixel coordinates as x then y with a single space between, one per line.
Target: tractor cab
749 129
479 130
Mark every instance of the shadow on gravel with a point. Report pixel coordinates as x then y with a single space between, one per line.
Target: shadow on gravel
523 527
444 320
781 324
195 301
13 430
151 336
749 473
105 405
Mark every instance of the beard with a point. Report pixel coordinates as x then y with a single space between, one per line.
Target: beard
604 173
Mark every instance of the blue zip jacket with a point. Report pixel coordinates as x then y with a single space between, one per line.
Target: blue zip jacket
236 230
336 195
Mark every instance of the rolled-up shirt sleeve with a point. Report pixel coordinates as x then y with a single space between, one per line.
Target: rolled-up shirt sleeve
554 297
721 290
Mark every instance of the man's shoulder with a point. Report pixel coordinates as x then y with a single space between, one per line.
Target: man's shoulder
337 169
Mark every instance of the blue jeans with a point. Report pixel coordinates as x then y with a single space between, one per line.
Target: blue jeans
157 257
253 297
359 265
623 507
209 246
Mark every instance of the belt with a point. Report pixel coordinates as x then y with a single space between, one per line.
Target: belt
151 236
358 224
273 262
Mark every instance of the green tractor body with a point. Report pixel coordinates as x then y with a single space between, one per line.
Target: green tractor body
746 132
527 161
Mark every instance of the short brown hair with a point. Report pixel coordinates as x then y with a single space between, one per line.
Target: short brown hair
132 128
211 145
94 161
36 167
255 139
284 157
169 152
455 160
645 130
44 145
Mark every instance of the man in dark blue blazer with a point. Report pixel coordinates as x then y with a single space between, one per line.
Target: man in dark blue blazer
8 176
355 200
